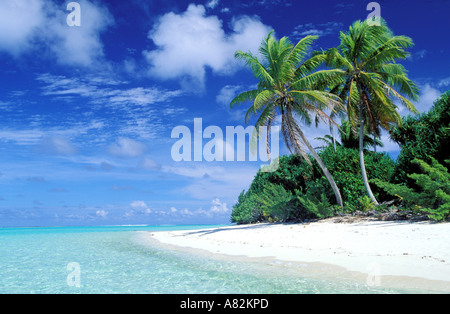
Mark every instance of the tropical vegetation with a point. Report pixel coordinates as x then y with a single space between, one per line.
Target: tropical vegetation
371 79
360 81
289 85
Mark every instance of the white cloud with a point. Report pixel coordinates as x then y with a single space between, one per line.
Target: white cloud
103 90
190 42
21 137
29 25
55 140
420 54
101 213
134 105
227 93
212 4
218 206
19 21
139 207
323 29
139 96
183 212
80 46
444 82
125 147
428 96
138 204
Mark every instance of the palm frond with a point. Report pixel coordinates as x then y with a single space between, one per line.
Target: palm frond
263 98
244 97
394 75
257 68
388 51
329 77
298 53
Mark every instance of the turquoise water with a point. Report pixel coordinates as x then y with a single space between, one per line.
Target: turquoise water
118 260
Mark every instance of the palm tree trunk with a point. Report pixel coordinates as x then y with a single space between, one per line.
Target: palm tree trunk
336 191
361 157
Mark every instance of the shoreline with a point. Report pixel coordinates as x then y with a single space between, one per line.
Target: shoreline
401 255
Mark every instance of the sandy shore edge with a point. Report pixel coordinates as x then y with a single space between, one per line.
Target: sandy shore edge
396 254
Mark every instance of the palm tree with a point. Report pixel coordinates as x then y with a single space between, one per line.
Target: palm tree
349 138
371 79
286 86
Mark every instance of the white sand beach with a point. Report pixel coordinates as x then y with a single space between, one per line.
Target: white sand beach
400 254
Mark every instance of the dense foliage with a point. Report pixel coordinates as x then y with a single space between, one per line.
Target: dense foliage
433 196
371 80
289 87
298 190
423 137
362 81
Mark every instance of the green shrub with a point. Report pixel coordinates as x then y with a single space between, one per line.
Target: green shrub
247 209
433 196
366 203
275 202
423 137
298 191
344 165
314 206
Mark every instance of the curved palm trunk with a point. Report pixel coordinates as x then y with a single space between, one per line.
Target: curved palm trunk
361 158
336 191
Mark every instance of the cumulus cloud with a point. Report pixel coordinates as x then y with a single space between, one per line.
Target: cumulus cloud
125 147
428 95
81 46
218 207
212 4
138 208
28 25
101 213
19 21
190 42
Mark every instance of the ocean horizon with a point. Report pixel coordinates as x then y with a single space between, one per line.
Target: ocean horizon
119 259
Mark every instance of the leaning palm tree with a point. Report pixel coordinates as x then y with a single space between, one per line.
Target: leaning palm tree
287 87
371 80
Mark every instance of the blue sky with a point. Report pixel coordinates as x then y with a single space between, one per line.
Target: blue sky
87 112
